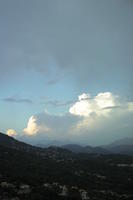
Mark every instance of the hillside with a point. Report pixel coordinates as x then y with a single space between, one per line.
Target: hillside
56 173
10 142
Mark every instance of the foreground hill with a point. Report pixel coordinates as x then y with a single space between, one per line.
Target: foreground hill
14 144
55 173
10 142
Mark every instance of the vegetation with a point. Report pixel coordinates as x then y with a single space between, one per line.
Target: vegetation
31 173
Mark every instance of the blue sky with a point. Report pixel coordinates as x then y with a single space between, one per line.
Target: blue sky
52 52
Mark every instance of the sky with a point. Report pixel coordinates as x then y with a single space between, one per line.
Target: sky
66 70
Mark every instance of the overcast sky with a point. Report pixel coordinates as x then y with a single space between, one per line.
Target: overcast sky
66 69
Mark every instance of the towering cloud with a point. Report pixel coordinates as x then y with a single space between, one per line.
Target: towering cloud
33 128
90 120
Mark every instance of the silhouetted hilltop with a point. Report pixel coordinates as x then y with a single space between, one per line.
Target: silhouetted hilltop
10 142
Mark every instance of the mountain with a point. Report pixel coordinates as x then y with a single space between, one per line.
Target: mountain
32 173
10 142
74 148
123 141
85 149
123 149
48 143
122 146
49 152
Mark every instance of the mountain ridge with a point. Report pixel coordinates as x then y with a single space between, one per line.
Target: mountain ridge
123 146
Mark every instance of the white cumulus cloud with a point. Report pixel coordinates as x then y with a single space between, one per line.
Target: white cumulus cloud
101 104
130 106
33 127
84 96
91 120
11 132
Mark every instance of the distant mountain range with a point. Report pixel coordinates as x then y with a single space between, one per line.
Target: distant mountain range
123 141
123 146
87 149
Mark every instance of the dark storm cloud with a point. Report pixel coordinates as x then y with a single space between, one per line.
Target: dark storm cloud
90 41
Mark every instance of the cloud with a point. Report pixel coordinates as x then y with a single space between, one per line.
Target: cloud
33 127
84 96
103 113
52 82
54 102
99 105
17 100
11 132
91 120
70 43
130 106
57 103
104 116
51 126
